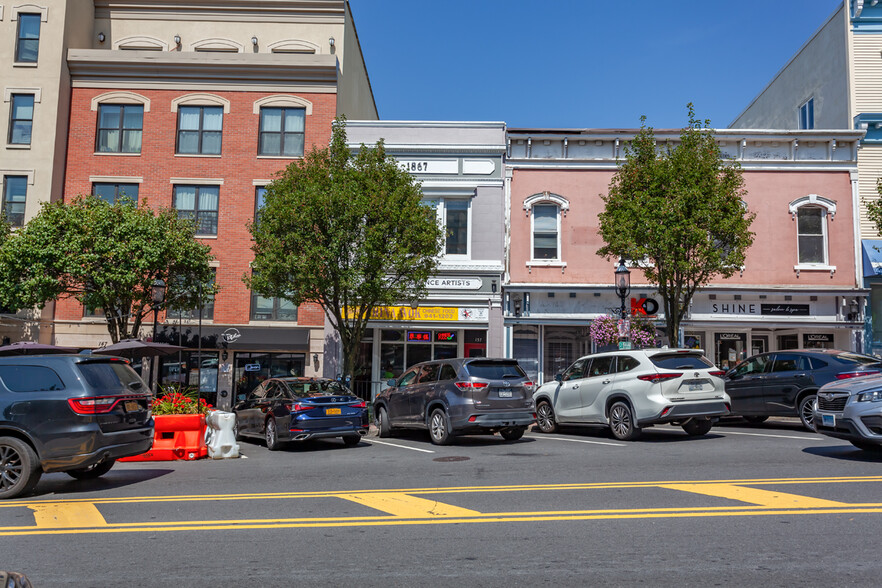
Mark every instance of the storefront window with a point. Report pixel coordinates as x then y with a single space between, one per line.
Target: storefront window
253 368
730 349
817 341
189 369
563 346
788 342
693 340
525 349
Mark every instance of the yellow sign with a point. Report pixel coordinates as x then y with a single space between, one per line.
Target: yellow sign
406 313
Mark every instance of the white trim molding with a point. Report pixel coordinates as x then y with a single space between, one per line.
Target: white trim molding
121 97
197 181
18 172
200 99
282 100
294 46
217 44
260 183
30 9
1 12
549 197
808 267
37 93
813 200
115 180
141 43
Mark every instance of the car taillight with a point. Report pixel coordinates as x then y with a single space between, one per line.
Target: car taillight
361 404
659 377
717 373
471 385
94 405
847 375
299 407
530 386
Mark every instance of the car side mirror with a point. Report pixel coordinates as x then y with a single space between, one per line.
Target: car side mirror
391 382
240 398
558 377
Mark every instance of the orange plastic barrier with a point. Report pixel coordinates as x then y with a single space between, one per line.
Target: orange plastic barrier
176 436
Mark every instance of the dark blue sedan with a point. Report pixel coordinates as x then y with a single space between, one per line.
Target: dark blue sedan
299 409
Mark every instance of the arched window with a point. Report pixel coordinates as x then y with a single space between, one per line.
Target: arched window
547 210
811 214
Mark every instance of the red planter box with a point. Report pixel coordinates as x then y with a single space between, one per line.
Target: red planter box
176 436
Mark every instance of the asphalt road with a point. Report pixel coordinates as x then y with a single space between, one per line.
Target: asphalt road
769 504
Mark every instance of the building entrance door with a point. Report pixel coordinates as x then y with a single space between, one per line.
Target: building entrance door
759 343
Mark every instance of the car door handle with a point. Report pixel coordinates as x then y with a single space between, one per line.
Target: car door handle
606 381
575 386
800 375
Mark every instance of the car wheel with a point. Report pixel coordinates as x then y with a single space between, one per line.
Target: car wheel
871 447
383 426
621 422
272 435
695 427
439 428
93 471
352 440
236 434
19 467
755 420
512 433
807 411
545 417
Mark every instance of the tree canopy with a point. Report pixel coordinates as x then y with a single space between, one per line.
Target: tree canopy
347 231
107 257
678 214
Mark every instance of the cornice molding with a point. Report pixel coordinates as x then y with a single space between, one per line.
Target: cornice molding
286 11
242 70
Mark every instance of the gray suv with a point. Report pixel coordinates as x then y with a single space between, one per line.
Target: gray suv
458 396
68 413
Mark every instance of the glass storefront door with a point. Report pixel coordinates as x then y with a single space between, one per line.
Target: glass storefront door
253 368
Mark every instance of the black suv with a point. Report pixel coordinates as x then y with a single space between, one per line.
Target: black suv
458 396
68 413
785 383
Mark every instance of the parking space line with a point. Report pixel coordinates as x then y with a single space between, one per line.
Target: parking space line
577 440
725 432
396 445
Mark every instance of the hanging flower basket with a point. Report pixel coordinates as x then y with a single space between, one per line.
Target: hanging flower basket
605 332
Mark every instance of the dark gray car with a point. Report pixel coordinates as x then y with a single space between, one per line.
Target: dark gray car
456 397
68 413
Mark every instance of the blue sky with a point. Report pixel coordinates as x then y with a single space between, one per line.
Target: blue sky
588 63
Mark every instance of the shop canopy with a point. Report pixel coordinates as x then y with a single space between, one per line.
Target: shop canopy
872 257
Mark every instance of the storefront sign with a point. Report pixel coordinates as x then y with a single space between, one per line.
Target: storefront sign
447 336
419 336
429 166
425 313
786 309
735 308
643 307
287 339
252 367
731 337
817 338
454 283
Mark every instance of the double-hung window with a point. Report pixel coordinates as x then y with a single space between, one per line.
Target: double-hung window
546 230
811 235
21 119
281 131
199 130
120 127
111 193
15 196
27 42
200 204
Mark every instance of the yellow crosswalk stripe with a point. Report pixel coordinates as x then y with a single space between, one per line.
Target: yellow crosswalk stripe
67 515
769 498
404 505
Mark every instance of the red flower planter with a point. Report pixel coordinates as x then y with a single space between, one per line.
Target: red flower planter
176 436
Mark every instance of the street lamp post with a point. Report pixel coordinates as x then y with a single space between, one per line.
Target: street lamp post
158 296
623 288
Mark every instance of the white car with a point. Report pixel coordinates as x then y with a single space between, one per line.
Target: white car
630 390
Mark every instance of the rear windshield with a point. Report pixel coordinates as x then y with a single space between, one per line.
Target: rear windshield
111 377
681 361
856 358
495 370
318 388
30 378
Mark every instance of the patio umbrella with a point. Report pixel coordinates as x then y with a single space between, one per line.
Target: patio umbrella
135 349
33 348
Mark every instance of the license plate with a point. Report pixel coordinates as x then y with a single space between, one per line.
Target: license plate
505 393
132 406
694 387
828 420
333 411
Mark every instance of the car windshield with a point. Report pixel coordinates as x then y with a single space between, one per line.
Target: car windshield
316 388
111 376
681 361
857 358
495 370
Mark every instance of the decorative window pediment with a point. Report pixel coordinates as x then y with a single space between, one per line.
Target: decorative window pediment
217 44
121 97
546 197
813 200
200 99
294 46
282 101
141 43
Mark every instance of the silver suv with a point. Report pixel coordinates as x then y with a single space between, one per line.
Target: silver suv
852 410
630 390
458 396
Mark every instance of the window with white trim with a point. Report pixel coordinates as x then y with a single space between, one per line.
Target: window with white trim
454 214
15 197
281 131
21 119
27 45
546 231
199 130
120 127
811 230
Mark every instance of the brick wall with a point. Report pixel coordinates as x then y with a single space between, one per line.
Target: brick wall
238 165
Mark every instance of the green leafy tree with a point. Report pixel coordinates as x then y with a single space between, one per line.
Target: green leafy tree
874 208
346 231
105 256
678 214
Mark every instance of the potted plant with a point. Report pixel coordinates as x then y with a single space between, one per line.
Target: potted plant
179 426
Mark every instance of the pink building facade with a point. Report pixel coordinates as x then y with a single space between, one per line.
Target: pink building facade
800 285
